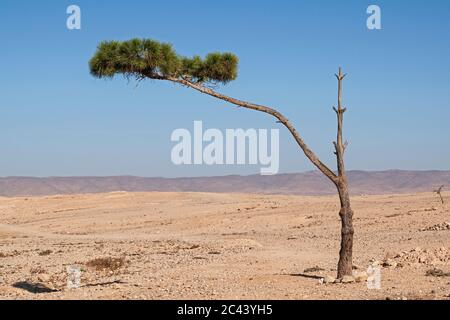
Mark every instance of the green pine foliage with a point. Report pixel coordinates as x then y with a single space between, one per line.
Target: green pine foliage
145 58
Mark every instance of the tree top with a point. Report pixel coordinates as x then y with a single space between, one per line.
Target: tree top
146 58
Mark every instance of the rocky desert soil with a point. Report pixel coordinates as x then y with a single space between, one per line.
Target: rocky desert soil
220 246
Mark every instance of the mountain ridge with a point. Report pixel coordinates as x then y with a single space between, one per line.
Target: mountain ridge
305 183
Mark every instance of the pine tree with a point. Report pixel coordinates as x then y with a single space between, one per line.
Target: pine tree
148 59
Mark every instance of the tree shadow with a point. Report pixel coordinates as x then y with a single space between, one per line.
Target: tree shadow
103 283
305 275
33 287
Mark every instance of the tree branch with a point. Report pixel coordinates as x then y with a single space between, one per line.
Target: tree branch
281 119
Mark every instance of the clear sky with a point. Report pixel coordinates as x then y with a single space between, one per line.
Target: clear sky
56 120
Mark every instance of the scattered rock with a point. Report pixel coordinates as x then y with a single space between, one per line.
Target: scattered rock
437 227
418 256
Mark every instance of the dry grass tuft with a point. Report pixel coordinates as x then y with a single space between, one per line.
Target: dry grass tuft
108 263
45 252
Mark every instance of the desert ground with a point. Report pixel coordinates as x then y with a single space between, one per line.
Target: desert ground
220 246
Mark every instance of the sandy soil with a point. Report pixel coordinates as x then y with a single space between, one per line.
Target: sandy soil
219 246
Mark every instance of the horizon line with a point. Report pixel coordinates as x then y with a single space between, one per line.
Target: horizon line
218 176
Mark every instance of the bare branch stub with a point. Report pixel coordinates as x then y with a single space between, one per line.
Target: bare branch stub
339 145
439 193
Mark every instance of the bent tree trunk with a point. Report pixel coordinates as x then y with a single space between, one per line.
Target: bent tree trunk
345 263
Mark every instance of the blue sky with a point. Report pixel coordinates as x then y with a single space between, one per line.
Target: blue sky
56 120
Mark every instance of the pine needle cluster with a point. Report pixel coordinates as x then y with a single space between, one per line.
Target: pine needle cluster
145 58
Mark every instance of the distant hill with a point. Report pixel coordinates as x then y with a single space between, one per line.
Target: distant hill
308 183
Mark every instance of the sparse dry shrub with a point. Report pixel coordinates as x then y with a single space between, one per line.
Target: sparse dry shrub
45 252
37 270
108 263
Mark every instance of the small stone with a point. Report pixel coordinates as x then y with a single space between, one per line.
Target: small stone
375 263
360 276
328 279
422 259
389 255
389 263
44 277
348 279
